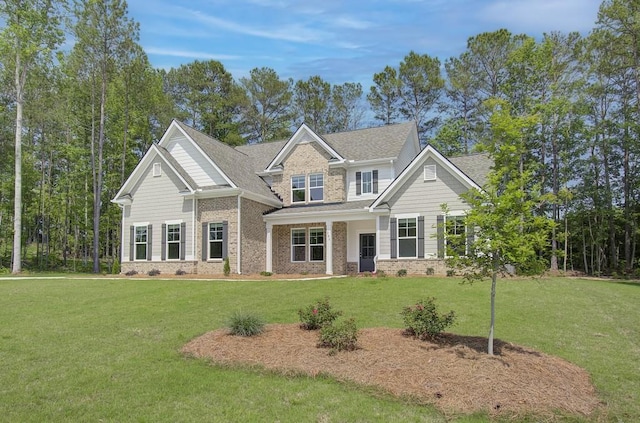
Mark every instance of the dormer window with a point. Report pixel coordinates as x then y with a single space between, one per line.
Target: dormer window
367 182
316 187
298 189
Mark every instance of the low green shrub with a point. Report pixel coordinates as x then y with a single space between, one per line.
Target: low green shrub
245 324
430 271
317 315
423 321
402 272
264 273
227 268
153 272
339 336
131 273
381 274
181 272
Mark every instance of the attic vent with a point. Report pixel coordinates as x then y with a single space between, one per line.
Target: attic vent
157 169
430 172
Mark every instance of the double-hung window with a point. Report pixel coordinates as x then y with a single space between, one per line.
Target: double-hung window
298 189
407 237
140 242
367 182
298 245
456 235
316 244
173 241
316 187
216 238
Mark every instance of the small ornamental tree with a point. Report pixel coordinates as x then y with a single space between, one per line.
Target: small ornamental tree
507 232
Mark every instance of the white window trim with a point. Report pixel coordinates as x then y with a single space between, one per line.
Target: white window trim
174 223
456 214
157 169
324 234
297 245
209 241
309 187
136 243
406 216
429 173
298 189
362 172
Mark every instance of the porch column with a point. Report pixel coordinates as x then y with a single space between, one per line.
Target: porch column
329 248
269 258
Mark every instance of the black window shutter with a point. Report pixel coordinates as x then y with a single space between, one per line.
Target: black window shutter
183 240
132 236
358 183
149 241
470 238
393 228
440 232
163 247
205 240
420 236
225 239
375 181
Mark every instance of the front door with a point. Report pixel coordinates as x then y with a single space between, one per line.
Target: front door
367 252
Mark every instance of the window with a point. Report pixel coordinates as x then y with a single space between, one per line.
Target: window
316 244
140 242
407 237
157 169
173 241
298 244
298 189
316 187
367 182
456 236
216 238
430 172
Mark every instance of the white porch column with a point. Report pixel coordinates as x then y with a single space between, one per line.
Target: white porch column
269 258
329 248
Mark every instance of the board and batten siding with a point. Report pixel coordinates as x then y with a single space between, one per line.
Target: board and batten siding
194 163
156 200
425 198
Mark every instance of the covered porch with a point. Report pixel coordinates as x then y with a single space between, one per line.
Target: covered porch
334 239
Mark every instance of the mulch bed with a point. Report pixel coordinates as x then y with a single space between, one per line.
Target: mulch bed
453 373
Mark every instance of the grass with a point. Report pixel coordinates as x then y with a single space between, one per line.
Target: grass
108 350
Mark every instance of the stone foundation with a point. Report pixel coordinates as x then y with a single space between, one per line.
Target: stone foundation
413 267
165 267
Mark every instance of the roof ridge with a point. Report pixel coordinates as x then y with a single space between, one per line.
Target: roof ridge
223 144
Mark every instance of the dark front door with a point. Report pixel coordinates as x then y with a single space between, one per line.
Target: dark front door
367 252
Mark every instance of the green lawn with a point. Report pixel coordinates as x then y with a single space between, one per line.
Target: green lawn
108 350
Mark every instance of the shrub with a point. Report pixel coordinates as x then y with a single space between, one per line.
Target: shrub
180 272
366 274
317 315
381 274
131 273
451 273
153 272
341 336
227 268
263 273
430 271
402 272
423 320
245 324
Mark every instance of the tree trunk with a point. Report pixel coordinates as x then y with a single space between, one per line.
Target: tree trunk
17 205
494 279
97 195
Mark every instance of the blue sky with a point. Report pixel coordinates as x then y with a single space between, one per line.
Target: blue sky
340 40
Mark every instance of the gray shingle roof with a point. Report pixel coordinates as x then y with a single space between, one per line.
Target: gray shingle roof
475 166
262 153
371 143
238 167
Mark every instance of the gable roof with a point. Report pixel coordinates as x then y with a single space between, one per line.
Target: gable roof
262 153
238 167
430 151
298 137
475 166
371 143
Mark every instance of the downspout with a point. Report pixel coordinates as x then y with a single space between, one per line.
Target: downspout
194 206
122 207
239 242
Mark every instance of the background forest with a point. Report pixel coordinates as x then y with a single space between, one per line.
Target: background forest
75 121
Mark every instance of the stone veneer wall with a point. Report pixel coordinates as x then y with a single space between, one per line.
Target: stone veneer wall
253 235
303 160
415 267
282 250
218 210
165 267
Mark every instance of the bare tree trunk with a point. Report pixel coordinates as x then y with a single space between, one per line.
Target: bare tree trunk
20 76
494 279
97 195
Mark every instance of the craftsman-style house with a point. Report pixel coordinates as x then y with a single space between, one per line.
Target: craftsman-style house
342 203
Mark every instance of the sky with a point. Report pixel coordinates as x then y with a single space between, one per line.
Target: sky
339 40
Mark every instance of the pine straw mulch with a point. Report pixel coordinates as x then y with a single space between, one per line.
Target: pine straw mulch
454 373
